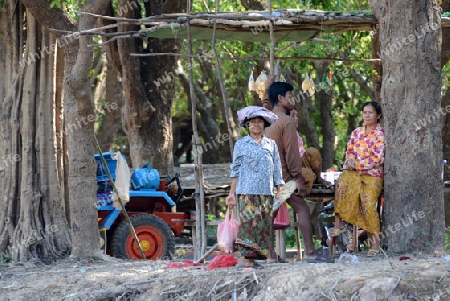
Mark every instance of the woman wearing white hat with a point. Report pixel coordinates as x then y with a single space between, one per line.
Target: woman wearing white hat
255 172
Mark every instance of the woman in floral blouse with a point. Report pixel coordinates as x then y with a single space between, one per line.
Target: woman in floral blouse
359 186
255 171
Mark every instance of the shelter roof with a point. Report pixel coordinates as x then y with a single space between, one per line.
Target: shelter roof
253 26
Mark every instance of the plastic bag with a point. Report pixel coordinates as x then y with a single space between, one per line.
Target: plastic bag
222 261
122 181
227 232
283 219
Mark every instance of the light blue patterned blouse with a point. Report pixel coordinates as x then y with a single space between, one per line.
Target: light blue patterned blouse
257 166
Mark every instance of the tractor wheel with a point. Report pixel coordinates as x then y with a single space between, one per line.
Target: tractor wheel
155 237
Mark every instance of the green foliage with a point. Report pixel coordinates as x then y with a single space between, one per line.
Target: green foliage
68 6
447 239
211 230
210 217
445 76
291 241
210 6
5 259
56 3
290 238
346 92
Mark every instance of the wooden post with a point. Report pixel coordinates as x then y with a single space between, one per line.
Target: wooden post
297 237
272 39
226 103
199 195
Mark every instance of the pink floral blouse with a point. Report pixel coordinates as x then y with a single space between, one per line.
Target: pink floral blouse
367 150
300 145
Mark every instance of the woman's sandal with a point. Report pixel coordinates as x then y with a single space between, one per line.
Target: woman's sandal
256 250
372 253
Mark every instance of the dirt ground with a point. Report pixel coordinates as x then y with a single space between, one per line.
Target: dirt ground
423 277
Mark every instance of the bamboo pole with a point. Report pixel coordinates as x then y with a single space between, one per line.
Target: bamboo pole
261 58
207 253
226 103
294 16
200 247
272 39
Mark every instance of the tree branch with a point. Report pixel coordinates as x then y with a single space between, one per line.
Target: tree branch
252 5
363 84
50 17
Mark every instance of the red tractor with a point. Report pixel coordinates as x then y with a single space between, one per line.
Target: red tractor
151 209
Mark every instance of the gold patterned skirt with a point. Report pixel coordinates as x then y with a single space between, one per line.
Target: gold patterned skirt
356 199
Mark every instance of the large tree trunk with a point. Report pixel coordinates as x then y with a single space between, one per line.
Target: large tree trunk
207 125
410 97
376 66
79 127
112 110
326 119
149 91
79 123
32 221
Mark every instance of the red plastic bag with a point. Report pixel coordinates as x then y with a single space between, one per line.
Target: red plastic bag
283 219
222 261
227 232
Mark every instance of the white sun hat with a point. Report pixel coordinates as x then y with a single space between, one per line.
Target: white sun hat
251 112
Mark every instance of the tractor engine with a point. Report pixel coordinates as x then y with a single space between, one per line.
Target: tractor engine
145 178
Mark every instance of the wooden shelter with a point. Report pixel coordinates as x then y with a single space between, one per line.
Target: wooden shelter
251 26
288 25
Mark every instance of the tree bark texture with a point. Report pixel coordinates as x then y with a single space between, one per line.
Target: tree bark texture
112 109
305 108
149 92
376 66
209 71
252 4
363 83
326 118
79 127
32 221
410 98
207 125
445 56
79 124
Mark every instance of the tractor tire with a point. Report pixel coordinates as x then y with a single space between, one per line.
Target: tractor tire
155 237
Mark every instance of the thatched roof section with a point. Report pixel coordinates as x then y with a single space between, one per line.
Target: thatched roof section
289 25
250 26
